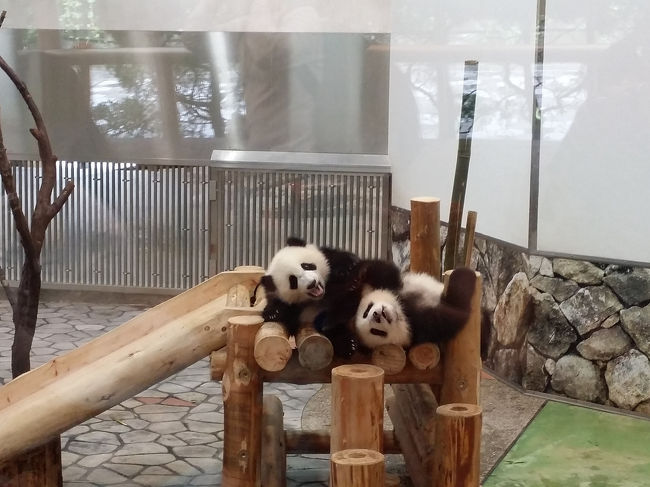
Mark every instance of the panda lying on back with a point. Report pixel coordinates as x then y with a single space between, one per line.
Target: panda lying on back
303 281
417 313
362 300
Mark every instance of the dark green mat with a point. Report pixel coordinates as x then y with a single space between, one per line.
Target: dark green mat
570 446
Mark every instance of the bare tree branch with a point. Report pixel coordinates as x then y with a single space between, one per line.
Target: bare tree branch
62 198
10 293
14 201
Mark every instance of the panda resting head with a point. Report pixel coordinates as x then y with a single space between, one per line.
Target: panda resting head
380 320
297 274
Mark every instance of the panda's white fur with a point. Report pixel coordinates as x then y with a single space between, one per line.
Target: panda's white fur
380 320
307 265
421 288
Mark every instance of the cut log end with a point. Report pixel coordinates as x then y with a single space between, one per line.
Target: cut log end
358 371
315 351
391 358
357 456
357 468
272 347
424 356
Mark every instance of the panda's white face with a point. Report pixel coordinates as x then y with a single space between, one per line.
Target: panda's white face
299 274
381 321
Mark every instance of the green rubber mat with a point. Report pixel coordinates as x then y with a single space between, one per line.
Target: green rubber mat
571 446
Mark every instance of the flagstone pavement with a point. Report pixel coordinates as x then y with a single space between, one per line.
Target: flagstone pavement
168 435
172 433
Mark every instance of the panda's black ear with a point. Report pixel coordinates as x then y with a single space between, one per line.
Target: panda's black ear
296 242
269 285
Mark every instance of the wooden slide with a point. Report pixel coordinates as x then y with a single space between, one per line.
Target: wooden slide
158 343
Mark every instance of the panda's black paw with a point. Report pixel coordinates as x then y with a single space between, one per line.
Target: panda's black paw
344 345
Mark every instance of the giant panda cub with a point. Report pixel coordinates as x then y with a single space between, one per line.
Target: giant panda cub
417 313
299 278
323 286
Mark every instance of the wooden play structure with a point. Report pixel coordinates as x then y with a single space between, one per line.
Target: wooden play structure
433 406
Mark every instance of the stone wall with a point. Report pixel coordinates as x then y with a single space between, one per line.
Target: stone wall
562 326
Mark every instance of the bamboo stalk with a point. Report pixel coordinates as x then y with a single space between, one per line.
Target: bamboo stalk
357 407
242 402
357 468
462 163
470 231
458 442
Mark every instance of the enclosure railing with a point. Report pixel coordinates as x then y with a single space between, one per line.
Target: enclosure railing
162 225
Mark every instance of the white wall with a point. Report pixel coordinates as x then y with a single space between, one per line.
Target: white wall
429 44
595 152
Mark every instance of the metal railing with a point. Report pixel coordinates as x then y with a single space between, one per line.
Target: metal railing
162 226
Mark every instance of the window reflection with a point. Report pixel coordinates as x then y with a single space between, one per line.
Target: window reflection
126 95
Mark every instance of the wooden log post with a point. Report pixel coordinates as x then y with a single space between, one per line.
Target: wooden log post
272 346
357 407
391 358
357 468
462 357
424 356
412 410
458 442
40 467
242 401
274 456
425 235
315 351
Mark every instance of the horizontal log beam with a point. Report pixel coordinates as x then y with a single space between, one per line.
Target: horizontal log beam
303 442
294 373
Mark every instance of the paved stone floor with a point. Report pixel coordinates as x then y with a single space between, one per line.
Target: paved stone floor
172 433
168 435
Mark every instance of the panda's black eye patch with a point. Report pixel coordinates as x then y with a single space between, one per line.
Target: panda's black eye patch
293 282
365 313
308 266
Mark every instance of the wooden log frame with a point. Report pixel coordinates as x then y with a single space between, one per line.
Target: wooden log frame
357 468
242 403
424 356
302 442
461 360
84 382
294 373
412 410
315 351
40 467
272 346
458 441
274 453
357 407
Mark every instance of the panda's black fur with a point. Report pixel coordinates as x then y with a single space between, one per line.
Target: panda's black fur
342 274
417 313
356 292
